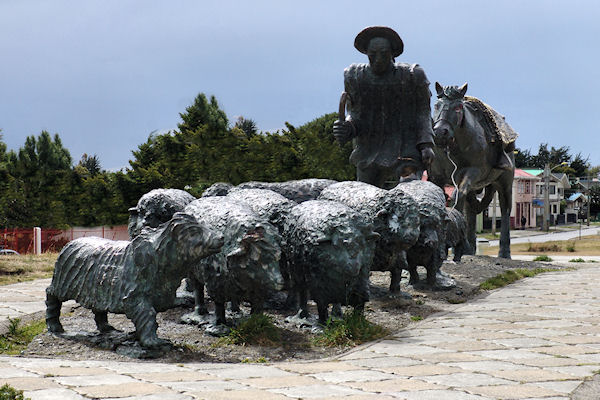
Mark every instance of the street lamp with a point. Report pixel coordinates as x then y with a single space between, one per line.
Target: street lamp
547 171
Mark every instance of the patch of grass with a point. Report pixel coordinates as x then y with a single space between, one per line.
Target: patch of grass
353 329
26 267
511 276
258 329
456 301
542 257
18 337
543 248
577 260
10 393
571 247
416 318
259 360
419 302
586 246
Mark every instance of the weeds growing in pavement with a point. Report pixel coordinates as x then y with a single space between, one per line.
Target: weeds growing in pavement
10 393
18 337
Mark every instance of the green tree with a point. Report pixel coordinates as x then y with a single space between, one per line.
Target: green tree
91 164
202 112
40 169
247 126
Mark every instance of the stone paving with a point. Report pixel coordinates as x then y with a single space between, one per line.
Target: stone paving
536 339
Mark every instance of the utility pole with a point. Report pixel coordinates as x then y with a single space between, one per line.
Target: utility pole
588 194
494 215
546 221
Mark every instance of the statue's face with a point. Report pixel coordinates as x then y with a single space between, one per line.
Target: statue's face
380 55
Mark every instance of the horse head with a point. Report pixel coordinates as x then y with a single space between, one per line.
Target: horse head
448 113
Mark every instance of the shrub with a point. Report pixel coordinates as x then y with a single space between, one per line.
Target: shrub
351 330
571 247
543 257
9 393
257 329
578 260
539 248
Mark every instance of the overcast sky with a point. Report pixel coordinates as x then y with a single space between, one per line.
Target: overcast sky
105 74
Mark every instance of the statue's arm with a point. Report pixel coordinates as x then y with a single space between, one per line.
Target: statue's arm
423 117
347 129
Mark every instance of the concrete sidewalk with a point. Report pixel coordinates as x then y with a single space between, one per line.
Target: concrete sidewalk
536 339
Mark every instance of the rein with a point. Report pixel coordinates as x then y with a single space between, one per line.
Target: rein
447 151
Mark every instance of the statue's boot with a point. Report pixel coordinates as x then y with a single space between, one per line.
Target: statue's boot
504 162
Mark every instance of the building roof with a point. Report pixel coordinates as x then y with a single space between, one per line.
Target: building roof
522 174
533 171
576 196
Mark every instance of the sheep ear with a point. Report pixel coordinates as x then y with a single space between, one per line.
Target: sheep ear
133 211
463 89
439 89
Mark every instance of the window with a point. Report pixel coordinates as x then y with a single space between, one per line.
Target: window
554 209
527 187
552 189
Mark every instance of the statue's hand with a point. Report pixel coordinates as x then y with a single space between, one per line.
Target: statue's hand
427 156
342 130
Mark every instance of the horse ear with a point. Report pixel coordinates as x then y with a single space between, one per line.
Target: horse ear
463 89
439 89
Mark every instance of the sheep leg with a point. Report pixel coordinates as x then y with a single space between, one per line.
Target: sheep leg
257 306
200 306
220 313
336 310
144 319
53 306
396 272
235 306
101 318
303 303
323 312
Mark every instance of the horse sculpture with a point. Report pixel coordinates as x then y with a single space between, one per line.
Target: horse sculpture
470 137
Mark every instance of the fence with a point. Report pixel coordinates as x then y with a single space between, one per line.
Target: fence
22 239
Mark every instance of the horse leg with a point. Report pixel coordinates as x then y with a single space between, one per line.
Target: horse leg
469 176
471 219
505 197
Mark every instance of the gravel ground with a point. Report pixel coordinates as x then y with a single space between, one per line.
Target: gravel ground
192 345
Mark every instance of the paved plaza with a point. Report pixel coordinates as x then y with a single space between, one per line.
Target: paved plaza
538 338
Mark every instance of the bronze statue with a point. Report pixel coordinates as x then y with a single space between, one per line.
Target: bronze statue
474 148
137 278
389 113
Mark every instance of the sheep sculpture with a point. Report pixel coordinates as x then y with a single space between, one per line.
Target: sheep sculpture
246 268
395 217
137 278
330 249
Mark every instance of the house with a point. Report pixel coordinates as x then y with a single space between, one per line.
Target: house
558 184
576 204
523 195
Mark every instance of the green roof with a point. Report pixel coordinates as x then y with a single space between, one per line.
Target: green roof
534 172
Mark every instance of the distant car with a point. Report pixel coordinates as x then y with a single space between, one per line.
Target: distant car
6 252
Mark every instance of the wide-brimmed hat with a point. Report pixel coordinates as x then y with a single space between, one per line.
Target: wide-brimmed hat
364 37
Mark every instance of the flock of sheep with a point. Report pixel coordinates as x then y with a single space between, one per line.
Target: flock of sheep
315 238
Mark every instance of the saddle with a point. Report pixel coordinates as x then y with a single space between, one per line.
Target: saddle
495 125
